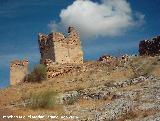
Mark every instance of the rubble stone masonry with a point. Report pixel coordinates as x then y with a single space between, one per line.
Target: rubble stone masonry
61 49
150 47
54 70
18 70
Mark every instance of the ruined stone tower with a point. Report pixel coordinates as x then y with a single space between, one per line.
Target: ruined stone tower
18 70
150 47
61 49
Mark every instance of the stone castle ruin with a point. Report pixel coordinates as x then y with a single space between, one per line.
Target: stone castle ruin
18 70
62 55
61 49
59 54
150 47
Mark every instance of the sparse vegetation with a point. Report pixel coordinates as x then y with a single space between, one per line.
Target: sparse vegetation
147 69
92 90
43 100
143 66
38 74
79 88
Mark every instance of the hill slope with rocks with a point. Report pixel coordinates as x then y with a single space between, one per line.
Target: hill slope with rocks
106 90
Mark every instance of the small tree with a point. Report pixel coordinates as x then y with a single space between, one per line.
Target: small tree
38 74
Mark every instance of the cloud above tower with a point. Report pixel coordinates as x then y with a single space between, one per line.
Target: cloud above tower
93 19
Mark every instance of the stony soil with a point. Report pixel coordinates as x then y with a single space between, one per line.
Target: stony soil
126 91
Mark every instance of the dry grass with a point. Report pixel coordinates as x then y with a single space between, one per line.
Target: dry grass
83 103
121 74
45 99
156 71
145 65
98 75
137 114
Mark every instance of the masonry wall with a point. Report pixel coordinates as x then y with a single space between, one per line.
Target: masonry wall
75 50
61 49
46 48
18 70
150 47
54 70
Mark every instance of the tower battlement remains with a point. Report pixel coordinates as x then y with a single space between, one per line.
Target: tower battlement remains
18 70
61 49
150 47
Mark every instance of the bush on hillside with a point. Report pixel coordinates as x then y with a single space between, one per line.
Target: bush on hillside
44 99
38 74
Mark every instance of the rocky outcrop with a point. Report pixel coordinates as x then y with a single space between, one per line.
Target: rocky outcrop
125 100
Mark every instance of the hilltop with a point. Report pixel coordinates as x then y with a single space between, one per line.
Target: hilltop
109 89
64 84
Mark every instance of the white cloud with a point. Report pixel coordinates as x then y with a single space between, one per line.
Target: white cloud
108 18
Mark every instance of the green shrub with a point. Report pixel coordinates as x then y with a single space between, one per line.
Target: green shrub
38 74
44 100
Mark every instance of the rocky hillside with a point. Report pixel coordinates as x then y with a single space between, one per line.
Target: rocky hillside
111 89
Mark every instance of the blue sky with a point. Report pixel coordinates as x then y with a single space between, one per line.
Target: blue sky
22 20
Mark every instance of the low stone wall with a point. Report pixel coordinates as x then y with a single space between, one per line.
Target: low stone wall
55 69
115 61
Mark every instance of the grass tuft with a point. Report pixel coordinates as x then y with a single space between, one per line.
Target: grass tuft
43 100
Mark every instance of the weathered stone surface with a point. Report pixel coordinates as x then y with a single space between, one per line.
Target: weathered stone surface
106 58
65 98
107 112
150 47
18 70
115 61
115 110
61 49
155 117
54 69
124 104
149 106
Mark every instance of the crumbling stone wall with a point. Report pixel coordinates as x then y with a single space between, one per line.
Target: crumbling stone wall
106 58
46 47
18 70
54 70
115 61
61 49
150 47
